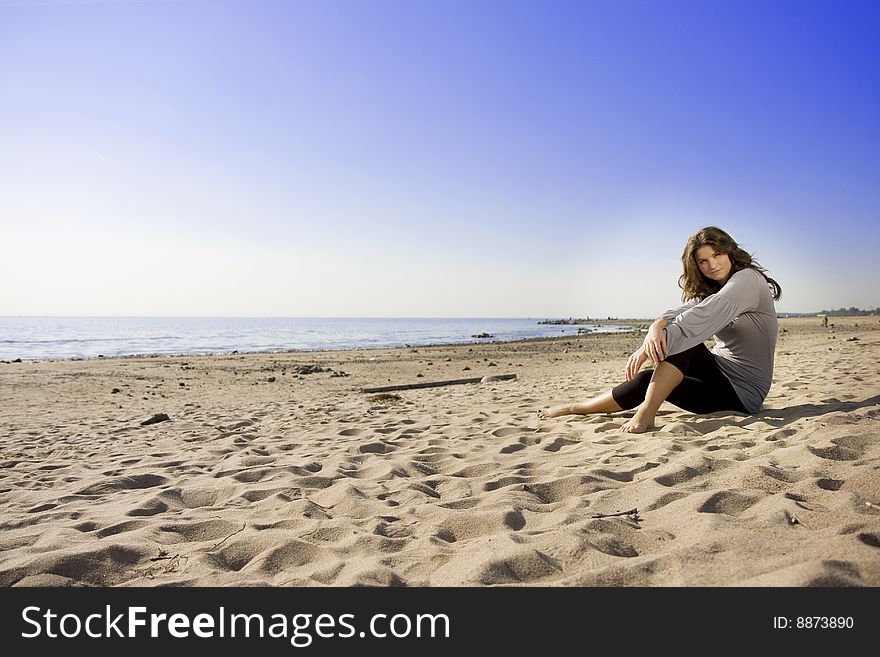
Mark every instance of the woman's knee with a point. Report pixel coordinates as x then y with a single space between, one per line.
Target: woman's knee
683 359
674 367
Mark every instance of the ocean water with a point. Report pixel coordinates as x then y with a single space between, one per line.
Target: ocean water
45 338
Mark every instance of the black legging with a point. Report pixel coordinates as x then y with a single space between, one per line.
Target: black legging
704 389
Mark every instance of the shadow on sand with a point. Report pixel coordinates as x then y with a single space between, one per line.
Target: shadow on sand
783 416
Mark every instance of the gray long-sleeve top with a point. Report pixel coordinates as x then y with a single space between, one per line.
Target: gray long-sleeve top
742 318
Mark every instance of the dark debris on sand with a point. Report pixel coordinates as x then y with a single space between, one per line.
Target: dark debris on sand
158 417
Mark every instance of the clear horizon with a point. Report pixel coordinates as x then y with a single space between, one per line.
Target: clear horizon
542 317
232 158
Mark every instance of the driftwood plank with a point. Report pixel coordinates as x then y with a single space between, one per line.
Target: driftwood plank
437 384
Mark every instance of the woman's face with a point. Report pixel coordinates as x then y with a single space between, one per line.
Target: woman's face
713 264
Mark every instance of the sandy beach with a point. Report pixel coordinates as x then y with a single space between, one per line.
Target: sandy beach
278 470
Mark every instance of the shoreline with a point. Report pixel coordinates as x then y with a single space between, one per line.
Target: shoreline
631 329
633 325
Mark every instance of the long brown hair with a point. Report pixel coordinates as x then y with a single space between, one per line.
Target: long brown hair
696 286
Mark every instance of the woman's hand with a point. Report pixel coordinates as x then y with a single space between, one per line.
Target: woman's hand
655 341
635 362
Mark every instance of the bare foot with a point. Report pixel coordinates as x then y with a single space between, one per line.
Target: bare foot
636 427
553 411
638 424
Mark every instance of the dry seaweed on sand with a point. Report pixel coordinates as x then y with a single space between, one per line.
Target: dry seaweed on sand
385 398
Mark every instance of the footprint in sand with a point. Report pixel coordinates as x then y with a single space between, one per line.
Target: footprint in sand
522 443
376 448
477 470
505 481
625 475
235 555
229 434
665 499
425 489
687 473
558 490
836 453
466 503
105 566
392 530
121 527
420 469
42 507
779 435
728 503
514 520
525 565
237 425
260 494
682 429
834 573
558 444
191 498
613 546
250 461
88 526
779 475
133 482
149 508
607 426
194 532
252 475
445 535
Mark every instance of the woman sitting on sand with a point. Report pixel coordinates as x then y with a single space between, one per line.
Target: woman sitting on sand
729 296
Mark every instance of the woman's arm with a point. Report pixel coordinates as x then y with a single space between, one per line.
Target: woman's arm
672 313
635 362
740 294
655 341
654 345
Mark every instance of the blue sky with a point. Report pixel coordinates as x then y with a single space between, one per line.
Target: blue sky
385 158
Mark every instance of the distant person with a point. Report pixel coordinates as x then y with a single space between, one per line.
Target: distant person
825 321
729 296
